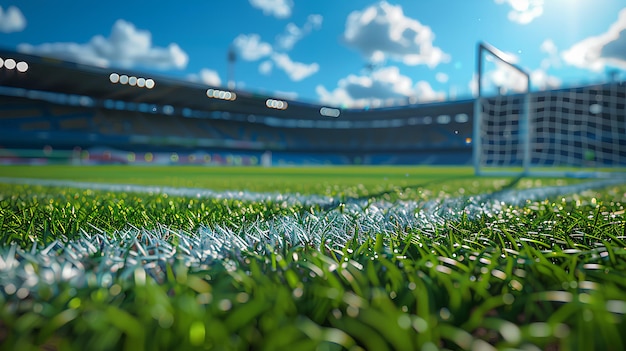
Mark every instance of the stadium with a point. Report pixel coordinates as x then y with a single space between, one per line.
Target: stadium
142 211
66 107
63 110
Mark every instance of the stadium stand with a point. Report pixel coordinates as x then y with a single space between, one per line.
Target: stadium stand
67 106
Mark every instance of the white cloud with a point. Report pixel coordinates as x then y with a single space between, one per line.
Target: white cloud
499 76
553 59
293 33
599 52
523 11
548 47
541 80
540 77
382 31
424 92
505 79
441 77
210 77
384 84
266 67
251 48
296 71
12 20
125 47
206 76
276 8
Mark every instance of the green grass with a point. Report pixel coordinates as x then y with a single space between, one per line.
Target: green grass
550 274
320 180
349 181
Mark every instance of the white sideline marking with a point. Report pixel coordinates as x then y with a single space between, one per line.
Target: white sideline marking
122 253
174 191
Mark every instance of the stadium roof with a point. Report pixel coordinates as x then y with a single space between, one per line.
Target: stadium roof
58 76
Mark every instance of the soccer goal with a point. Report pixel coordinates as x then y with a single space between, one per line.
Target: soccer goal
574 132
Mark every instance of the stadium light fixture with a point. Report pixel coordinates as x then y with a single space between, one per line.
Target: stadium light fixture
461 118
330 112
443 119
221 94
114 78
277 104
11 64
22 66
134 81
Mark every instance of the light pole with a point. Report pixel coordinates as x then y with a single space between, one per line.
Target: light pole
232 57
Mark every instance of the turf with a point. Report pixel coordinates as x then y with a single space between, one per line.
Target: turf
396 261
283 179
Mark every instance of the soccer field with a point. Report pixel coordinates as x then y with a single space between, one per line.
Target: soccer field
282 179
328 258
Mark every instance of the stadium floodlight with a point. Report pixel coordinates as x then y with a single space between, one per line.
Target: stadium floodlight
10 63
22 66
134 81
114 78
276 104
576 132
461 118
443 119
330 112
221 94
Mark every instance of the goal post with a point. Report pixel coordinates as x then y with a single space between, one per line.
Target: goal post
513 149
575 132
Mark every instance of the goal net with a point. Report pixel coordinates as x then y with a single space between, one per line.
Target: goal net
575 132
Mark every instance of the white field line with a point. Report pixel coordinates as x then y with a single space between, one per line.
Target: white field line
289 199
97 257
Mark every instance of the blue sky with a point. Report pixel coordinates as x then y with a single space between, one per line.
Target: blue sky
338 52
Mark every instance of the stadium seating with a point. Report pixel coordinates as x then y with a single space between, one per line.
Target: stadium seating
302 145
72 111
